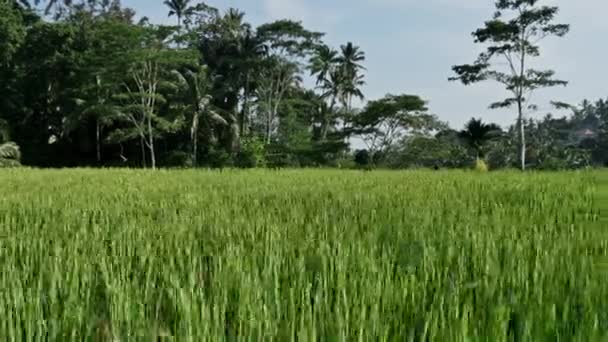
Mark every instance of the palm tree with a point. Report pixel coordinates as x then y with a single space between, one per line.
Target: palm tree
350 64
476 134
323 63
195 85
250 52
178 8
10 155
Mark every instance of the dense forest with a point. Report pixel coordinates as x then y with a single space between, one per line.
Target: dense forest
88 83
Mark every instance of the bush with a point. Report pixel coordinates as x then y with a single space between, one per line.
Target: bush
219 159
362 158
177 159
252 154
481 166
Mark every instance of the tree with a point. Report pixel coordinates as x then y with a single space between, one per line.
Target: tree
441 150
286 43
324 61
476 134
350 70
221 37
251 52
47 66
143 93
197 100
49 6
104 38
178 8
339 78
277 78
513 35
325 66
12 32
383 122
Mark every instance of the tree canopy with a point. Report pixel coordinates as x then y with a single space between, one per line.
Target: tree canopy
86 84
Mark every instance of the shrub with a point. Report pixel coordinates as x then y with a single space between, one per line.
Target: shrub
481 166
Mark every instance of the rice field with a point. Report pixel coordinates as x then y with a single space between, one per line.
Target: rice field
121 255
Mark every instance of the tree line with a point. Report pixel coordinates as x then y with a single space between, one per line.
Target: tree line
86 84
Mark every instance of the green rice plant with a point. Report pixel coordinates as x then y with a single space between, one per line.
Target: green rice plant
310 255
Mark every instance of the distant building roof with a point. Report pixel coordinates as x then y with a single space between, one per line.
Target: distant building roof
585 133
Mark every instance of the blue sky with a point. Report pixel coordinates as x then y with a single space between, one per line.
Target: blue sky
412 44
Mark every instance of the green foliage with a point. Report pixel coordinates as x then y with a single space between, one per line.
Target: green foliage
287 37
252 153
481 166
386 121
476 134
512 36
428 152
274 254
363 158
92 87
218 158
12 31
10 155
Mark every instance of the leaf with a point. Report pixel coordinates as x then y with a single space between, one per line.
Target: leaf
507 103
10 151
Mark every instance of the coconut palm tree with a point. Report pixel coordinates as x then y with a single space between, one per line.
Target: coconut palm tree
323 63
234 22
476 134
250 53
178 8
195 85
350 64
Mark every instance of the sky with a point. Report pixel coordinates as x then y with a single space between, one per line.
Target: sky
411 45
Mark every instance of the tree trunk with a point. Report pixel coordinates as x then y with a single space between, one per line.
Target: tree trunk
268 128
520 98
142 143
151 144
179 29
522 136
245 111
98 140
325 124
194 138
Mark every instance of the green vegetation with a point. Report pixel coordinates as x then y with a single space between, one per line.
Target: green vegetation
90 83
203 255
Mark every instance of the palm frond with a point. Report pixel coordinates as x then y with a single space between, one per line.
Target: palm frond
218 119
10 151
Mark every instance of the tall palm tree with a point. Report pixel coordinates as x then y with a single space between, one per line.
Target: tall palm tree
250 53
233 23
323 63
178 8
476 134
195 85
350 64
325 66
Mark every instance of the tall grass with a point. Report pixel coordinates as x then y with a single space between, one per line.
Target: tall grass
307 255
